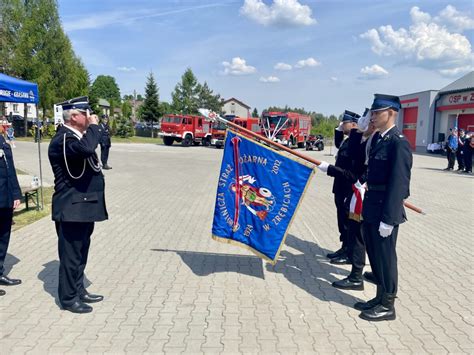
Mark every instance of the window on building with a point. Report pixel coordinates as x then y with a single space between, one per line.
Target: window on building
15 108
29 108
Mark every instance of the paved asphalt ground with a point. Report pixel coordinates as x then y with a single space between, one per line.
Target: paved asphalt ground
170 288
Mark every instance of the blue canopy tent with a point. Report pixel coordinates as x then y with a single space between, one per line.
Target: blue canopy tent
17 90
21 91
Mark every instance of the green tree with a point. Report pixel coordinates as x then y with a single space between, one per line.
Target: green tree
43 54
12 13
124 127
207 99
185 97
165 107
150 110
127 110
105 87
255 112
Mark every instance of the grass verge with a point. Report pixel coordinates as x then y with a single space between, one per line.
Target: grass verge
22 217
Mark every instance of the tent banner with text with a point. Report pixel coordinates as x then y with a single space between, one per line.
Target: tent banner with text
258 192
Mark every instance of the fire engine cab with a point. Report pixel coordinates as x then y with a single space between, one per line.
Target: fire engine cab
287 128
218 128
185 129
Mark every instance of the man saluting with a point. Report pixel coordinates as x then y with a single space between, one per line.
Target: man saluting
78 199
388 182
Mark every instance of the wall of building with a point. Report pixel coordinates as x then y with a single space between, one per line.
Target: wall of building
424 126
449 106
18 109
234 108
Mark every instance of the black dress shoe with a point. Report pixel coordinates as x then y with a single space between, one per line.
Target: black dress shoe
91 298
349 284
336 253
385 310
341 260
107 167
363 306
369 276
2 293
6 281
78 307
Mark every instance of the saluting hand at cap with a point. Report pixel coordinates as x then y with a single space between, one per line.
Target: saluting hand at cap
93 119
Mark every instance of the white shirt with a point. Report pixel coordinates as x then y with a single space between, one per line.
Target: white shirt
75 131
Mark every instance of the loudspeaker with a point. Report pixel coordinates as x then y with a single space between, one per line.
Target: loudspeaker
441 137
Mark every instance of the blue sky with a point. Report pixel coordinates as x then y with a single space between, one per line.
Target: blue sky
325 56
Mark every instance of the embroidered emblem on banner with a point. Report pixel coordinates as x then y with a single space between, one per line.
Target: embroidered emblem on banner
259 190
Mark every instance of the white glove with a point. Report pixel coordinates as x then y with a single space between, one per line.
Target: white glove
323 166
339 128
385 230
363 122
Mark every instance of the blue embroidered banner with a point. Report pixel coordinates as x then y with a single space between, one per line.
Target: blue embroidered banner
258 192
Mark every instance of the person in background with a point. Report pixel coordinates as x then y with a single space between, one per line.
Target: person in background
10 195
11 136
105 142
460 151
451 148
467 152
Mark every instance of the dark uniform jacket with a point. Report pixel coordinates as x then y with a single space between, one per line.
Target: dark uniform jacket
105 138
388 179
341 184
9 187
356 153
82 199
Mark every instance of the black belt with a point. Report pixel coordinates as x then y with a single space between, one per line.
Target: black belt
377 187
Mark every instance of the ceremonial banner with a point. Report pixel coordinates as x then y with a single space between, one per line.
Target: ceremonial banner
258 192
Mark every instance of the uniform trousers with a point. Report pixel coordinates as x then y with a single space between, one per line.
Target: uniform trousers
104 154
460 158
382 256
342 216
451 154
6 216
74 239
355 245
468 158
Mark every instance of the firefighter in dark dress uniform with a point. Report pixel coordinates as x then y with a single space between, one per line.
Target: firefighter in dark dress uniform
78 199
10 195
388 183
356 175
105 142
342 187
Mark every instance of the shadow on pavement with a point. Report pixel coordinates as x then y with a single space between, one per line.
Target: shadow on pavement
203 264
49 276
10 261
311 271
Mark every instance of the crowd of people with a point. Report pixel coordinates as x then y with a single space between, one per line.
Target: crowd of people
459 146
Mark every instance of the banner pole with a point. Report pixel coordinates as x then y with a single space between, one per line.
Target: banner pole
213 116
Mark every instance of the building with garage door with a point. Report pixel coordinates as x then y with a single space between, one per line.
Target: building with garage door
427 116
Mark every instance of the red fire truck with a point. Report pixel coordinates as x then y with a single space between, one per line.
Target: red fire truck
185 129
287 128
218 128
